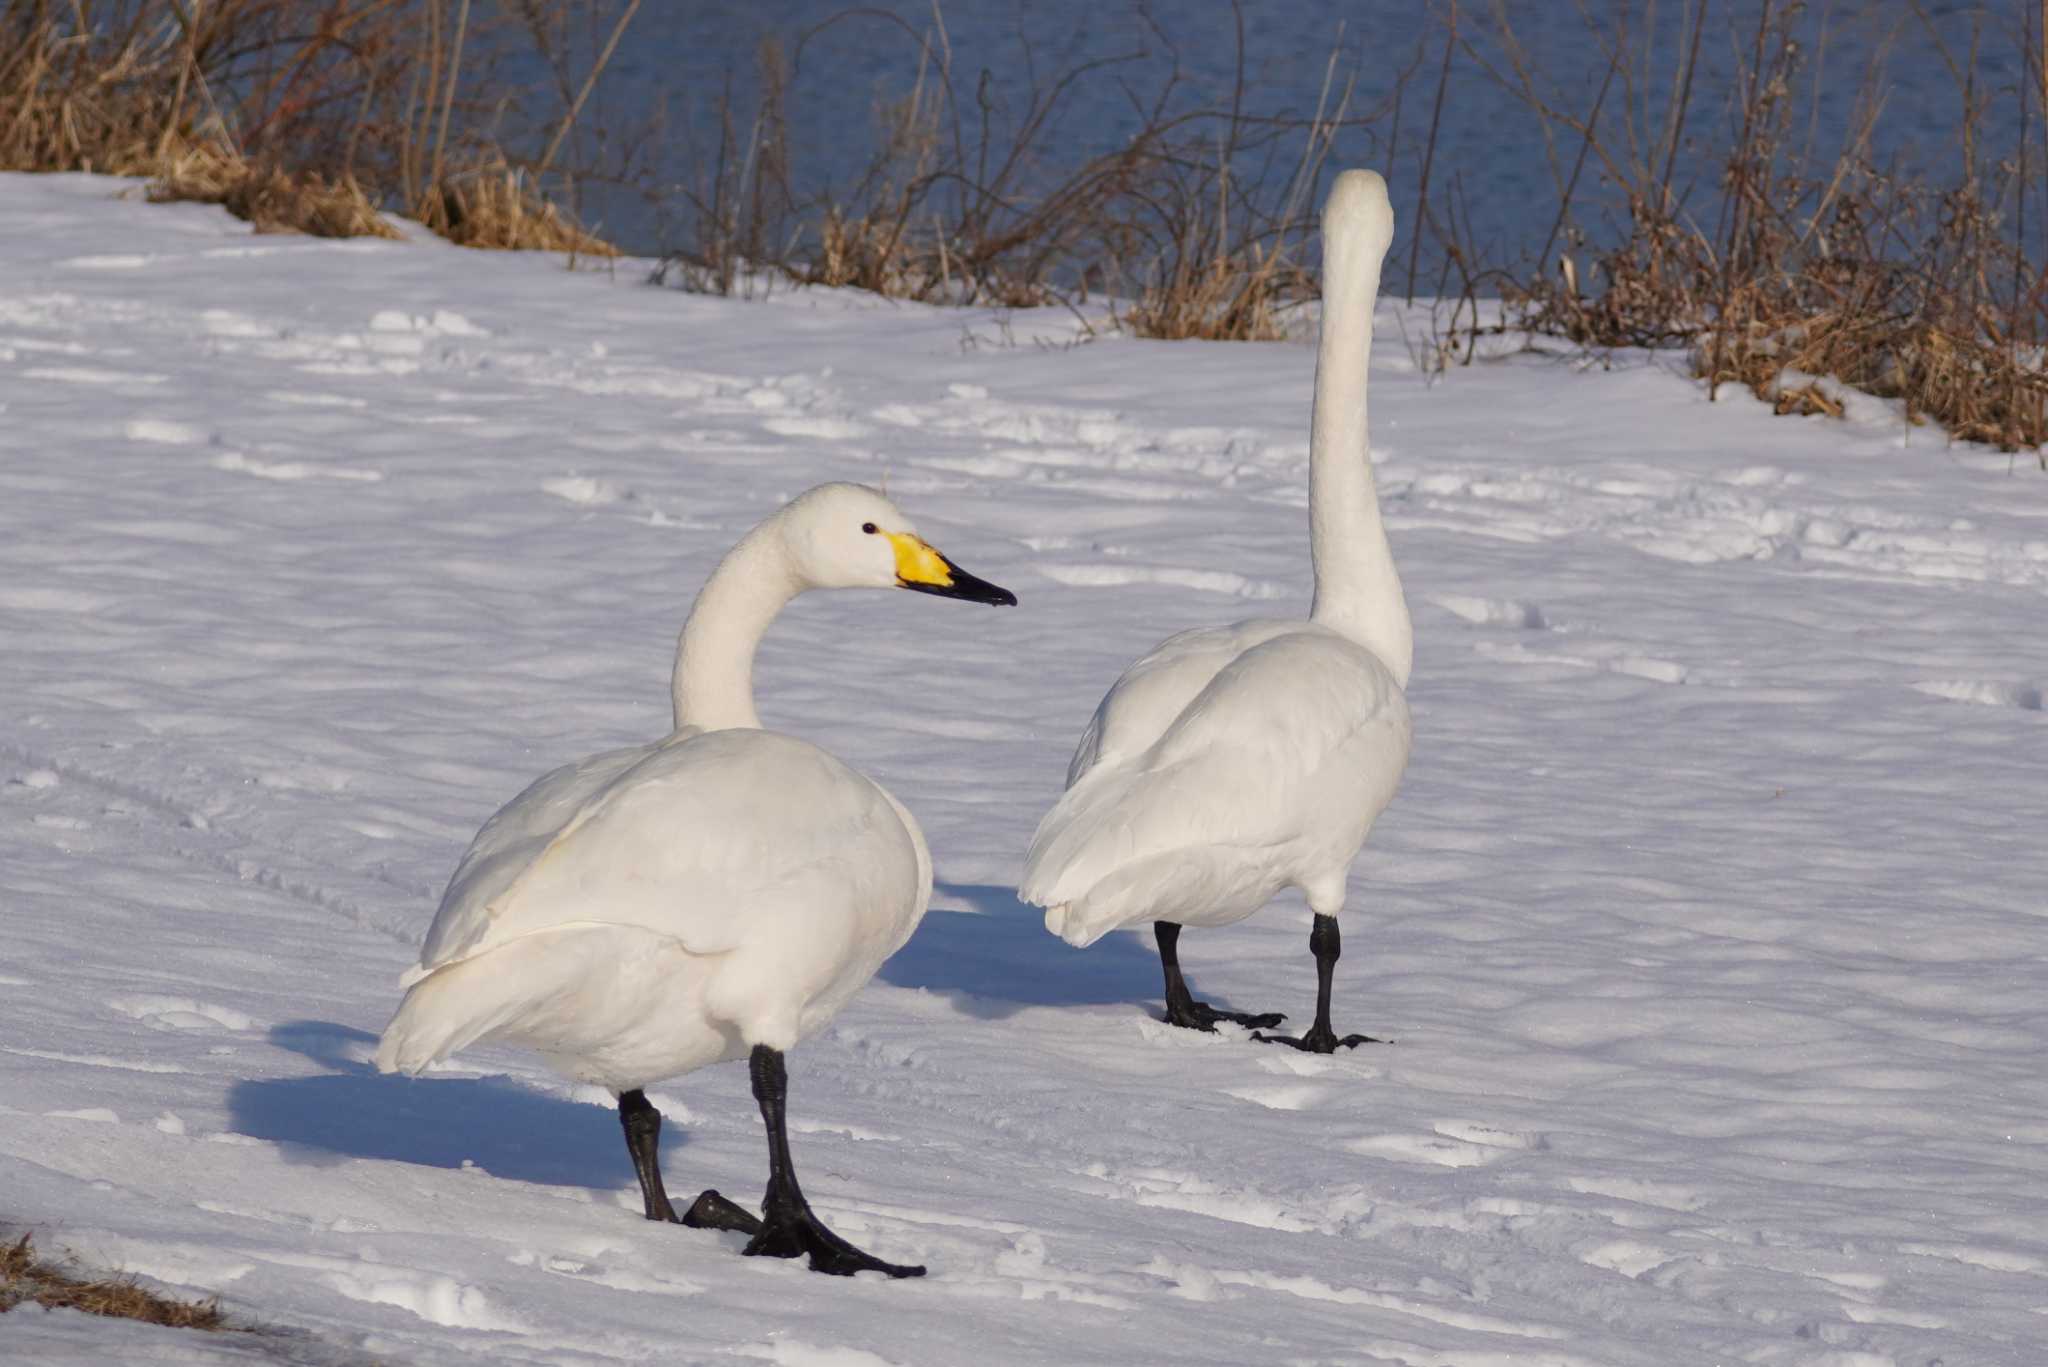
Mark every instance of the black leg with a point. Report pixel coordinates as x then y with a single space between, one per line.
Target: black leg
789 1227
1327 945
642 1124
1181 1007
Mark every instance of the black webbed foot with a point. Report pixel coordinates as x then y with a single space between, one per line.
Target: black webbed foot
1320 1039
794 1231
1181 1007
712 1211
788 1227
1326 944
1194 1015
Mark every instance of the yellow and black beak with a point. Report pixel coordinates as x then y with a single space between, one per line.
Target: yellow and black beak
920 567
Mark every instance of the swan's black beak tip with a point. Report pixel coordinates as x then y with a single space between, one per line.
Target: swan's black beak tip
966 587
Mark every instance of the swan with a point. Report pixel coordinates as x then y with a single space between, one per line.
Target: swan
1233 762
718 894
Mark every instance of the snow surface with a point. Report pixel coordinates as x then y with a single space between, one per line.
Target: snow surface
1709 921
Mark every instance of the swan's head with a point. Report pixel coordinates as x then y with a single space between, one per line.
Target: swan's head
1359 213
847 536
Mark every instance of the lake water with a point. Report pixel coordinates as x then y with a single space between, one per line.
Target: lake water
680 60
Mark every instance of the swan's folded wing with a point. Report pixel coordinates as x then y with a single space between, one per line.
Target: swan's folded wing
510 841
1301 728
1153 692
706 841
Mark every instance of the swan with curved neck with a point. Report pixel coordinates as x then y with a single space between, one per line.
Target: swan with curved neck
717 894
1234 762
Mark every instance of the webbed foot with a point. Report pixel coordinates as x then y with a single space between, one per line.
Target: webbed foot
712 1211
1194 1015
794 1231
1320 1039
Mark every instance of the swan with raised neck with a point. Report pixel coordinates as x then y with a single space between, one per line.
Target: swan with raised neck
1234 762
1358 591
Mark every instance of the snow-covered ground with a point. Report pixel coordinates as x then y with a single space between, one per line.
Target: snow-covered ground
1711 923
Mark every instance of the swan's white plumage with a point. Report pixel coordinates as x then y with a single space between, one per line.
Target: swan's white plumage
647 911
1235 761
1227 765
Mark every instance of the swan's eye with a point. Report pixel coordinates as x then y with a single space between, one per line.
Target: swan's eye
868 527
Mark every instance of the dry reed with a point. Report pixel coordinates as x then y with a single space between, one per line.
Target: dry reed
1819 273
298 115
26 1277
495 206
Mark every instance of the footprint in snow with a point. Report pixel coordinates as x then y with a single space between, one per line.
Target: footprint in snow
1473 1133
90 375
1203 581
1493 612
1983 692
163 432
585 491
182 1013
116 261
234 462
819 428
1439 1150
1626 1256
1296 1096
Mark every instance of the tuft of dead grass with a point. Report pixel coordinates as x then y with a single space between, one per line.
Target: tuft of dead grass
25 1276
874 251
496 208
1227 295
271 199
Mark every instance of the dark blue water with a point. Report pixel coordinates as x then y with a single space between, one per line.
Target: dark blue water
1493 167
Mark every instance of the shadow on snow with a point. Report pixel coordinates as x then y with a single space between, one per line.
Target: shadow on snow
998 959
991 962
353 1111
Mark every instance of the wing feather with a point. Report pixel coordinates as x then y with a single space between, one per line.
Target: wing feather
1153 693
1284 757
710 840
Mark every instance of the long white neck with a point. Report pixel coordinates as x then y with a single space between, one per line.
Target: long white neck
1357 590
714 681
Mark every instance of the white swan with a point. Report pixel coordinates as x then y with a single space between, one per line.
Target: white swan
719 893
1233 762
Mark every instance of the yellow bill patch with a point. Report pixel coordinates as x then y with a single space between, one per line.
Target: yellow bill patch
917 563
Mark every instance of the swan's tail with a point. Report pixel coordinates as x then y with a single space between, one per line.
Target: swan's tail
446 1010
1066 921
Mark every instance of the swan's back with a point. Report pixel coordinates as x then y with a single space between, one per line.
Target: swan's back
1152 693
711 840
511 840
1269 775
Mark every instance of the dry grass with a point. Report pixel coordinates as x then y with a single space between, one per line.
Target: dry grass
1200 221
270 199
1951 371
25 1276
1229 253
297 115
67 104
873 252
1820 270
495 207
1223 296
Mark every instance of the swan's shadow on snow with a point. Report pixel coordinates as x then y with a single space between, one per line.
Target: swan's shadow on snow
998 959
354 1111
